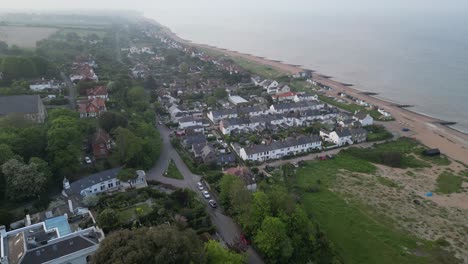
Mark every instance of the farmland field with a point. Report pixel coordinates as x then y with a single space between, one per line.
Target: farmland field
25 37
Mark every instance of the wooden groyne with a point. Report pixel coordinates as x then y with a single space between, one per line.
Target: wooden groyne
369 93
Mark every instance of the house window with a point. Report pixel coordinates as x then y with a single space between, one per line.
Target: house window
103 187
110 185
117 183
95 190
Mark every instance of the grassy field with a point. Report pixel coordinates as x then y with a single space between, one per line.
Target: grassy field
401 153
130 213
258 69
25 37
82 32
360 234
448 183
173 172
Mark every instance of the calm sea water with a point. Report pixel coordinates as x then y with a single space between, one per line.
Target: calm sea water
416 59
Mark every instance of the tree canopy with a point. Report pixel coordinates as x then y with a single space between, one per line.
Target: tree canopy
22 180
161 244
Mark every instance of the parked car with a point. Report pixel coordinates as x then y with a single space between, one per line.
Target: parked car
206 194
405 129
200 186
160 122
88 160
323 157
213 203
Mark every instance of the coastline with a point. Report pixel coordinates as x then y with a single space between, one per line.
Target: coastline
427 129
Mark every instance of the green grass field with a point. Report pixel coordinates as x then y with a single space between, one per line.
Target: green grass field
258 69
173 172
82 32
448 183
132 212
360 234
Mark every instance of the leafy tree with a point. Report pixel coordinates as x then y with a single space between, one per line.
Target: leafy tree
22 181
42 167
129 146
261 208
220 93
161 244
111 120
108 220
273 240
5 153
211 101
215 253
31 142
91 200
64 143
56 113
18 67
127 174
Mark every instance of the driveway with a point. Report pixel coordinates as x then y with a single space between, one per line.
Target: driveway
225 226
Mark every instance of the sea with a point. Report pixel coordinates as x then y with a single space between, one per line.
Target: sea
415 57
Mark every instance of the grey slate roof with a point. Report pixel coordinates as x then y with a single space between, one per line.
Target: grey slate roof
223 112
343 132
289 142
53 251
187 119
235 121
251 109
360 115
19 104
77 186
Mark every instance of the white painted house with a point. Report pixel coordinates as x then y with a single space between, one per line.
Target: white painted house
189 121
102 182
338 137
279 149
44 84
364 118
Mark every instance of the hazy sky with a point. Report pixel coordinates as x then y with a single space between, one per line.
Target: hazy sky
176 7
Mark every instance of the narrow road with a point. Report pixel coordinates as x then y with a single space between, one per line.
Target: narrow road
71 90
225 226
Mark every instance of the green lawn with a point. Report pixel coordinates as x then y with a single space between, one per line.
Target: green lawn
448 183
173 172
350 107
132 212
360 234
258 69
82 32
401 153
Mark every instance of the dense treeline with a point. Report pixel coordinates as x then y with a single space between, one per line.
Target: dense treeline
278 226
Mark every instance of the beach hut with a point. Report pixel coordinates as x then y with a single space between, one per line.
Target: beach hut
431 152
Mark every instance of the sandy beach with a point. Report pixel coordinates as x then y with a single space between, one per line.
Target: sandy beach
427 130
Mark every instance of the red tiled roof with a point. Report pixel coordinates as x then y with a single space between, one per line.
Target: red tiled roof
287 94
91 106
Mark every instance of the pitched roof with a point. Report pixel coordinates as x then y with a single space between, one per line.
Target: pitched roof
77 186
286 94
62 247
96 91
361 115
289 142
19 104
344 132
101 136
